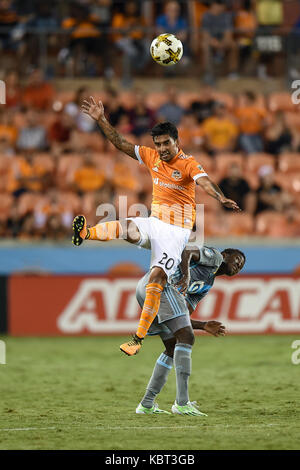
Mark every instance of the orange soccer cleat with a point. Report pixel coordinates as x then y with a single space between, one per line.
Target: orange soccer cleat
132 347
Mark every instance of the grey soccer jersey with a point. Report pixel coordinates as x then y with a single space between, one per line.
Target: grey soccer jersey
202 274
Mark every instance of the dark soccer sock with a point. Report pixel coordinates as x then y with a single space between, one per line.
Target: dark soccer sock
158 379
183 367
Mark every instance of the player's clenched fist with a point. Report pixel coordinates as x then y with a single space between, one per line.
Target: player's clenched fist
93 109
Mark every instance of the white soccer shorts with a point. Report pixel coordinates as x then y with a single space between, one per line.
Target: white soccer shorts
166 242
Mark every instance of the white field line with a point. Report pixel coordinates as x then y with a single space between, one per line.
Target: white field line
119 428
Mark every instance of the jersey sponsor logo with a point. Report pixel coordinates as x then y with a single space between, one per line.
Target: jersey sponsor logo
168 185
200 167
176 175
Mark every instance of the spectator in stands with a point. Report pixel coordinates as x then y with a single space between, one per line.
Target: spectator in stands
115 111
172 22
131 39
14 222
220 132
217 40
191 133
88 177
101 11
43 19
87 44
33 136
8 20
278 137
13 89
38 93
204 107
141 118
171 110
269 195
60 130
83 122
245 25
251 121
8 130
26 175
234 185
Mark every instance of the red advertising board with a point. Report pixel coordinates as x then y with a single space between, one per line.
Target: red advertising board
98 305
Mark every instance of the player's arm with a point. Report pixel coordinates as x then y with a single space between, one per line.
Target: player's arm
213 190
96 111
188 254
213 327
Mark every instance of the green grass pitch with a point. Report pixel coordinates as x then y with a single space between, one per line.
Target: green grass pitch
81 393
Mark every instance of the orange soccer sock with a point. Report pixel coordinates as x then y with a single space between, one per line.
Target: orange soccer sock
150 308
106 231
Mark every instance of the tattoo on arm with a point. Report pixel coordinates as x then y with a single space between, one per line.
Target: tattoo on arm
116 139
211 188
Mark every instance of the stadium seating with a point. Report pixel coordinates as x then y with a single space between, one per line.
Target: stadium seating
280 101
225 160
256 160
289 162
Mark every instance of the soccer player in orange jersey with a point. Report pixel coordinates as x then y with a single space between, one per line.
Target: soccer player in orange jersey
174 176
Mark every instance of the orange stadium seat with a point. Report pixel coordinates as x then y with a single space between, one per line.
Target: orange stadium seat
127 99
215 224
44 160
67 165
210 204
226 98
292 119
272 224
225 160
155 99
280 101
87 140
65 96
205 160
240 224
289 162
70 201
28 202
186 99
256 160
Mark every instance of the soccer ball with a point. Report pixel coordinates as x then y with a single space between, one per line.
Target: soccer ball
166 49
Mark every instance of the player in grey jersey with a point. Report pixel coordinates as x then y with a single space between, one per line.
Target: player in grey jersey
194 278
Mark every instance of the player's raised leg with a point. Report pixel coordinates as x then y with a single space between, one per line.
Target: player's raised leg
105 231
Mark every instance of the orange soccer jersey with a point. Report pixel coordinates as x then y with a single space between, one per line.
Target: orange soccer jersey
173 197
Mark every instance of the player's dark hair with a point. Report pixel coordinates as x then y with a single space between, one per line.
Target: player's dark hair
232 251
165 128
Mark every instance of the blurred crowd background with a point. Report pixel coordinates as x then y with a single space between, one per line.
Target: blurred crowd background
55 163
